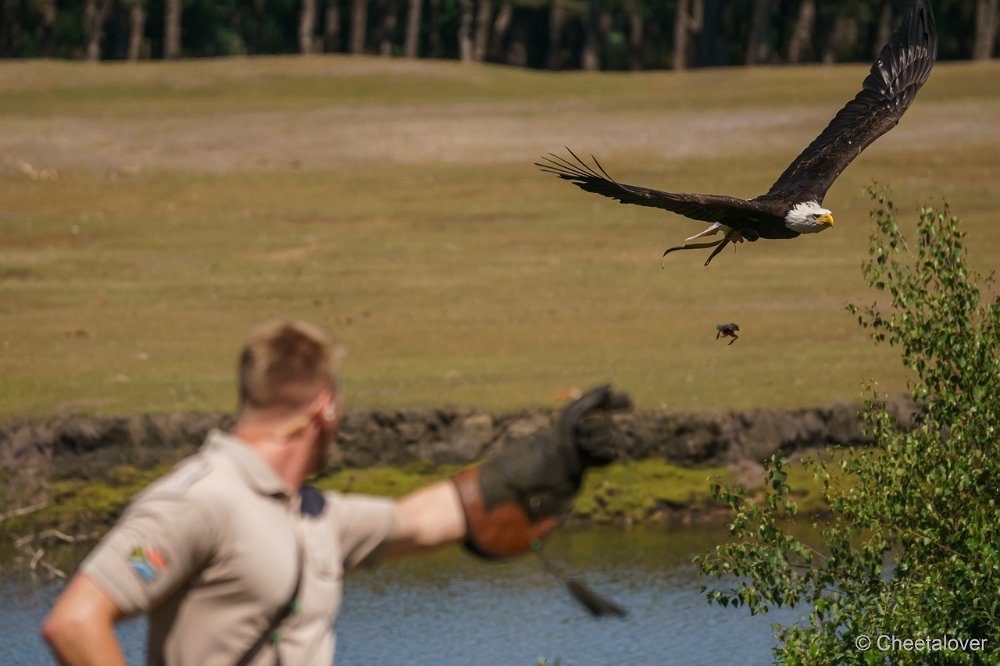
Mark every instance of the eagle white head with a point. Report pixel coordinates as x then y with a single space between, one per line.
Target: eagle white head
808 218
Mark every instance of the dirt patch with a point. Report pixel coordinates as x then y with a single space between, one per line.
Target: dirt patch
472 133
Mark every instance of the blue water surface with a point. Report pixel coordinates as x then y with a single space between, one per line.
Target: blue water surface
448 608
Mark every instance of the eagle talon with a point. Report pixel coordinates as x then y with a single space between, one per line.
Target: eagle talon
725 241
693 246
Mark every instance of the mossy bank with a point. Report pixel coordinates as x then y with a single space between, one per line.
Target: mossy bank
76 474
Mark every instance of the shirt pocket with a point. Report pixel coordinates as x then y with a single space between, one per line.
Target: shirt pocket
322 551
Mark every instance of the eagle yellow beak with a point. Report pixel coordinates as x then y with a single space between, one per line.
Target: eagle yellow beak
827 219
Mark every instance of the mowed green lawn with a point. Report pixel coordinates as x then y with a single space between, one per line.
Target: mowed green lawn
396 204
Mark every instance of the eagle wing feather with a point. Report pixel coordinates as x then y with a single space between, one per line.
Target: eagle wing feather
704 207
902 67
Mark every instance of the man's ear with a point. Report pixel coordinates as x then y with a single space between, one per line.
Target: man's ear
333 409
297 424
319 409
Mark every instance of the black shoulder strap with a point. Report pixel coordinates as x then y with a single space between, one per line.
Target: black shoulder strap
289 607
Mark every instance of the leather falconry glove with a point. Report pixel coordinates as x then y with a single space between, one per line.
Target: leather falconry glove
517 497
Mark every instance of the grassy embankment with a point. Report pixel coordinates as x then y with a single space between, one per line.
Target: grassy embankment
622 494
395 204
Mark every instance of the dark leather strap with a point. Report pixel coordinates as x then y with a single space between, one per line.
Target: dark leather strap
289 607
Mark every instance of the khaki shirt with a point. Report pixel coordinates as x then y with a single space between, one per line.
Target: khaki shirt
211 553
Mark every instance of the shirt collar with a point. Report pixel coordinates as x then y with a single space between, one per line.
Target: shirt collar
253 468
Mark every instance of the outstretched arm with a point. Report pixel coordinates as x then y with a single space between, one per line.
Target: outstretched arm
80 627
429 517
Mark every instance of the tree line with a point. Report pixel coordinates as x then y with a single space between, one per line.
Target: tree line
550 34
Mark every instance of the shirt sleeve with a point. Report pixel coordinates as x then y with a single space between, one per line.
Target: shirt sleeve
163 537
364 525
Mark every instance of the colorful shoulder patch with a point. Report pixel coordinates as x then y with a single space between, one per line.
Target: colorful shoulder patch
147 562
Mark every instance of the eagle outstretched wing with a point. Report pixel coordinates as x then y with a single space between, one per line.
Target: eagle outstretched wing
705 207
901 68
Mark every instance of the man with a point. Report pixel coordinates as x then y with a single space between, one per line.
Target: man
235 561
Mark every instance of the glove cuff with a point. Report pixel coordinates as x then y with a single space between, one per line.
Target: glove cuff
501 530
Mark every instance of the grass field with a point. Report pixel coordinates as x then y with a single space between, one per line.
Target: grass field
151 214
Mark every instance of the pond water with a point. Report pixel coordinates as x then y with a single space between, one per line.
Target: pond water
450 608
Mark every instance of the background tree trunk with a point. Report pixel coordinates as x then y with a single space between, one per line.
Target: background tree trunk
636 24
886 20
359 25
759 25
500 27
412 46
517 54
10 29
688 21
387 26
681 35
434 38
465 31
803 33
95 13
986 30
331 26
136 28
557 19
307 27
484 14
172 29
590 59
47 9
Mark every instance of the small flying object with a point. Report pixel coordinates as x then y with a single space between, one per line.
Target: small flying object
793 205
727 331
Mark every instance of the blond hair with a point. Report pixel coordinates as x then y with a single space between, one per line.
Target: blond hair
284 365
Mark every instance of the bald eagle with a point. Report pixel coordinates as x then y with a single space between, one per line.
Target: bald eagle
794 204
